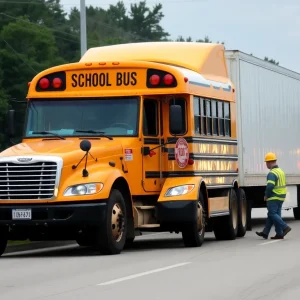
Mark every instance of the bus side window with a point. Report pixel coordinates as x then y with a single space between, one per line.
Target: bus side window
150 118
214 117
208 116
227 118
182 103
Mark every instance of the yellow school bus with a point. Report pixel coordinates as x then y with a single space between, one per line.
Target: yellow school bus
133 137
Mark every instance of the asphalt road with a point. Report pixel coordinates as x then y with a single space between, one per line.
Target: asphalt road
159 267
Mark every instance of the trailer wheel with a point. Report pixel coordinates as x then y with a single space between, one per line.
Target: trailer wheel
3 240
226 227
242 213
193 234
112 232
296 211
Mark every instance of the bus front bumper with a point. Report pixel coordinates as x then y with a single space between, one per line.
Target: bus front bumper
79 214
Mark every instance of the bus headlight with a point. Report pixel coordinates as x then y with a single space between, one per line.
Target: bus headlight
83 189
179 190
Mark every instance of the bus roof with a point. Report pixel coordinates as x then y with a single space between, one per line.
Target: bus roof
199 69
206 59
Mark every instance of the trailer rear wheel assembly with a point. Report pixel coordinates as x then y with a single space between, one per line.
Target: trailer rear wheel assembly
112 232
193 234
226 227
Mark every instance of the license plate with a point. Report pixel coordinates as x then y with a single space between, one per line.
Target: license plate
21 214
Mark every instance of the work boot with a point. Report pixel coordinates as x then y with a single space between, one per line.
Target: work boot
287 230
277 237
261 234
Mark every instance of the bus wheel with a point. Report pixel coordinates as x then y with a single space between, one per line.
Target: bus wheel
112 232
3 239
193 234
226 227
242 213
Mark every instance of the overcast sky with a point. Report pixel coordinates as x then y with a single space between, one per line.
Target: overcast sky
261 27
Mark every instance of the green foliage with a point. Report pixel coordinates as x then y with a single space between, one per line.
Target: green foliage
189 39
271 60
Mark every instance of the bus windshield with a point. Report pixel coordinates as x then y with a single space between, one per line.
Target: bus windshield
82 117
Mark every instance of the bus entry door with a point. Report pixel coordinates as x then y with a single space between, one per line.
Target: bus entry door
152 138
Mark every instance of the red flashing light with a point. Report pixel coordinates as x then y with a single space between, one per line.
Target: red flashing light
152 153
186 79
57 83
154 80
44 83
168 79
190 161
29 83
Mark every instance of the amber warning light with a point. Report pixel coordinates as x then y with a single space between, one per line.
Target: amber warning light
52 82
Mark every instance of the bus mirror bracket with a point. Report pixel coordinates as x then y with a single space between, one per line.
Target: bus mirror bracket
85 146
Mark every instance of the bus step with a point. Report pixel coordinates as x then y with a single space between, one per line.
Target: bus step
145 207
149 226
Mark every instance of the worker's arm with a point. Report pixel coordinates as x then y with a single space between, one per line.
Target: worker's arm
271 181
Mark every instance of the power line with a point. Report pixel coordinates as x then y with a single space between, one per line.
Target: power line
17 54
39 25
133 35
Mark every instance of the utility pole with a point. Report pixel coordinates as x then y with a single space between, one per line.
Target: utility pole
83 27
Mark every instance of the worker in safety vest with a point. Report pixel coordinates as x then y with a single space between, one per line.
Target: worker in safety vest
275 195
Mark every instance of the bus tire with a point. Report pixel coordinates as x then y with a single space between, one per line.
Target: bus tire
3 240
226 227
112 232
242 213
193 233
129 243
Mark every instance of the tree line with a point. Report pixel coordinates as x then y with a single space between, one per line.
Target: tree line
37 34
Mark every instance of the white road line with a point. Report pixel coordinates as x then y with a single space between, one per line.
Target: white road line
270 242
143 274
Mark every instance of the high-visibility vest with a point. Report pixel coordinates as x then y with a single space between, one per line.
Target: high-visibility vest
279 190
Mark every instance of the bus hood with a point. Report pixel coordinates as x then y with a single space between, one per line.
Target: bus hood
68 150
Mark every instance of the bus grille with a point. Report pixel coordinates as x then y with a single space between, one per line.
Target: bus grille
27 181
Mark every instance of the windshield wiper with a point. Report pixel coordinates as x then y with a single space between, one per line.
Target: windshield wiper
48 132
101 133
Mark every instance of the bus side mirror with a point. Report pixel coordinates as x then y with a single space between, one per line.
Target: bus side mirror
11 123
176 119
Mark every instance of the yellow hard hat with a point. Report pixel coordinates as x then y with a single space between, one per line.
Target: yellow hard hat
270 157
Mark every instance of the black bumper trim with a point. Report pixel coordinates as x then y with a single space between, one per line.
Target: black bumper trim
180 211
53 214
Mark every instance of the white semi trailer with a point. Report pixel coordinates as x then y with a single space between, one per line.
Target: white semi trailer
268 119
